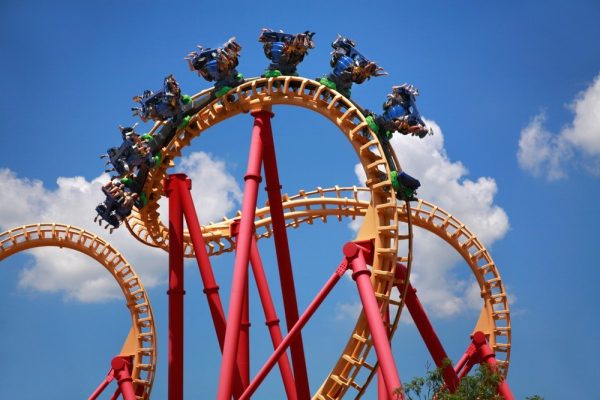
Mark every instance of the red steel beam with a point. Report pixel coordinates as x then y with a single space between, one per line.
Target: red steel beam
210 289
243 354
122 367
176 289
272 321
382 393
109 377
361 274
240 268
486 355
423 324
292 334
286 277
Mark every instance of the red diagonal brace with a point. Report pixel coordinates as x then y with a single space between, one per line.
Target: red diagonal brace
211 289
293 333
272 320
433 343
357 254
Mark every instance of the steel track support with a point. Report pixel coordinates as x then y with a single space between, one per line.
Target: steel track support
109 377
425 328
210 287
240 268
286 276
173 185
122 368
479 352
382 393
243 354
121 371
361 274
272 321
486 355
293 333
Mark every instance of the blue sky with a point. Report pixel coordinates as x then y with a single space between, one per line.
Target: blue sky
512 88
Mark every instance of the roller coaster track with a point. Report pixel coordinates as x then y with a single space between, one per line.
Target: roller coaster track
306 207
262 94
390 224
141 344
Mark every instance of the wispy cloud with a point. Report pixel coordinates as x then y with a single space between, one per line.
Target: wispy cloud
25 201
549 155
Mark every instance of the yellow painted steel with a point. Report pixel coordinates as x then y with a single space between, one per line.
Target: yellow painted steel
141 341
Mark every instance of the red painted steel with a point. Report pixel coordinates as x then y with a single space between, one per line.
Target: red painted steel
116 394
486 355
464 360
361 275
304 318
240 268
382 393
282 249
272 321
109 377
433 343
173 188
211 289
243 354
122 366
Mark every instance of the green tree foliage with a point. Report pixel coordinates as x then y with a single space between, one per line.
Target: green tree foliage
480 386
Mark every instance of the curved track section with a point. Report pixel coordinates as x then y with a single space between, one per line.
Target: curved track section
57 235
262 94
495 317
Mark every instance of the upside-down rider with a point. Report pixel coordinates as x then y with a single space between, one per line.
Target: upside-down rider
218 65
285 51
400 114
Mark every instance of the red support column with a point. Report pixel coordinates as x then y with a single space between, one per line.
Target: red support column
435 347
361 275
272 321
173 188
121 366
292 334
487 356
382 393
240 268
286 276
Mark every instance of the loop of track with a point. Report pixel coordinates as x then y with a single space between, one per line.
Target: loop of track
58 235
261 94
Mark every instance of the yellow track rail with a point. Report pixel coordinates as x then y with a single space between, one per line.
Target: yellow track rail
143 338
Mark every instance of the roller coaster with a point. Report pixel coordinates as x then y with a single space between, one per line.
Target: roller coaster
380 258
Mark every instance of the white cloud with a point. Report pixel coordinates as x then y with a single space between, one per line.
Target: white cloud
348 310
23 201
543 153
443 183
